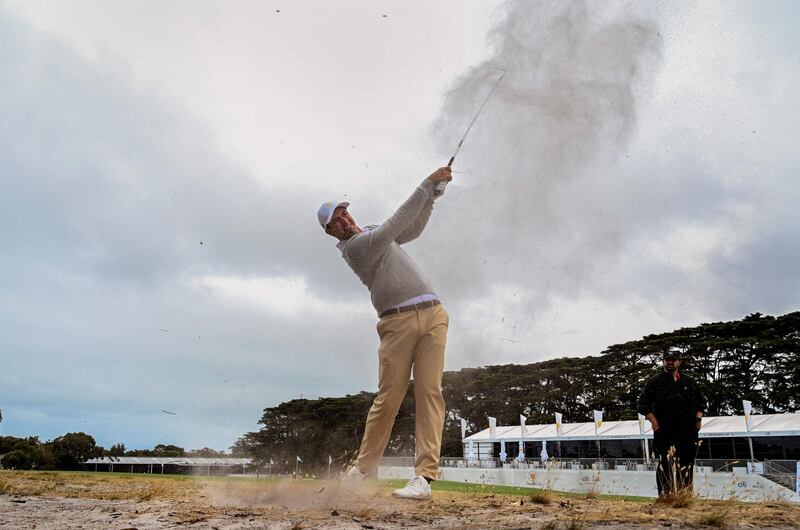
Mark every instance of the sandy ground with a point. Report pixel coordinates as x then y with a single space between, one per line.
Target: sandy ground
56 501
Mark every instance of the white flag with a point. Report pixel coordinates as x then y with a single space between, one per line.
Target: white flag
642 419
558 424
521 456
598 419
503 453
748 414
299 459
271 462
543 456
522 429
463 428
330 460
492 427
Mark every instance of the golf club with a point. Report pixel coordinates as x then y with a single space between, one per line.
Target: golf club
440 187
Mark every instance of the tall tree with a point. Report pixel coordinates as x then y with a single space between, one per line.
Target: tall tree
756 358
73 449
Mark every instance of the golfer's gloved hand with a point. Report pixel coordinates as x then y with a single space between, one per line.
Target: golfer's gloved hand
443 174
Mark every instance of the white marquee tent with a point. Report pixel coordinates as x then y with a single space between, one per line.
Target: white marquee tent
713 427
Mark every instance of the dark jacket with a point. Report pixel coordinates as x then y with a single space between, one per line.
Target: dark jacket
674 403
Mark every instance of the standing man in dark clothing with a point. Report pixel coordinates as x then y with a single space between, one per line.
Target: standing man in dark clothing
674 405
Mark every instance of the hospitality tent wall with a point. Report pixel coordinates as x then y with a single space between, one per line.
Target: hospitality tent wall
169 465
774 436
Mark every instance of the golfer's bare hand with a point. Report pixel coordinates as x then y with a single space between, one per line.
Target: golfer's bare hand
443 174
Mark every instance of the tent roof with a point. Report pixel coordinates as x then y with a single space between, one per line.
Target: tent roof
174 461
713 427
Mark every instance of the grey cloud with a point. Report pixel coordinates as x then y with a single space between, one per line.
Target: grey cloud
109 180
108 189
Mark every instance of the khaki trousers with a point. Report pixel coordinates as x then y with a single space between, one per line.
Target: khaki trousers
410 342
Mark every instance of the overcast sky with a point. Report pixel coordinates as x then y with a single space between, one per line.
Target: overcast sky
161 164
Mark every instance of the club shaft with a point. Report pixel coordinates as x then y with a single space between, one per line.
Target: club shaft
440 187
475 118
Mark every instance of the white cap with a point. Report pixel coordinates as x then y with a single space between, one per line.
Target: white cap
325 211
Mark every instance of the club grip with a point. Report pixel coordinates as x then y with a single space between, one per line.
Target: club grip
438 190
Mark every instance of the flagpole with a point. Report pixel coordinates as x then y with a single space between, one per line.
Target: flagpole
598 417
645 445
559 417
748 423
492 436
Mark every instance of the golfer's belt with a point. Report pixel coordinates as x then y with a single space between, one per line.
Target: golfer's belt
413 307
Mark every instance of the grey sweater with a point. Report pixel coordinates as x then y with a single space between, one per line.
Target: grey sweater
381 264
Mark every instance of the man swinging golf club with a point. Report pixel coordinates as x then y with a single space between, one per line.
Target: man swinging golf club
412 329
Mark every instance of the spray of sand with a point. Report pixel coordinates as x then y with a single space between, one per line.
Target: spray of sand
323 496
531 210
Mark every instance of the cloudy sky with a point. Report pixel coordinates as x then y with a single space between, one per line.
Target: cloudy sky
162 162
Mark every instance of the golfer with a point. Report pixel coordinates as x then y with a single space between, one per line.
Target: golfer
412 329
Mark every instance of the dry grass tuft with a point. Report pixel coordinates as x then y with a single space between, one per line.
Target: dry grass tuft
156 491
6 486
718 515
194 516
718 518
549 525
576 523
683 498
541 497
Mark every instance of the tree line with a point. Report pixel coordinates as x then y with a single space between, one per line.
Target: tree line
755 358
71 450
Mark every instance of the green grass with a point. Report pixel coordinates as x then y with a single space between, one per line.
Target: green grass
465 487
439 485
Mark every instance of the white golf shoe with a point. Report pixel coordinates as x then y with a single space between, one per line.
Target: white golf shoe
417 488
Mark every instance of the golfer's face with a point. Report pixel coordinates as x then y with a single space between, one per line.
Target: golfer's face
342 225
